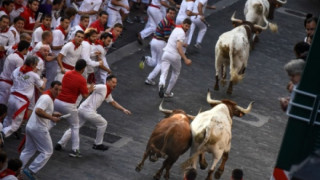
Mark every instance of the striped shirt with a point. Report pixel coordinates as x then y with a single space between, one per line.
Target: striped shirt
164 29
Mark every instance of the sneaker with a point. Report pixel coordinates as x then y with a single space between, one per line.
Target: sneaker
29 174
129 20
161 91
139 39
141 64
58 147
198 46
75 154
100 147
170 95
150 82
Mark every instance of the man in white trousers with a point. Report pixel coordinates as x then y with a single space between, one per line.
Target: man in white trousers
88 112
198 21
73 85
154 17
158 42
37 131
24 82
114 7
90 8
173 52
12 62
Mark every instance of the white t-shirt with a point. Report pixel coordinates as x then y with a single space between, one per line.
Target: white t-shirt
177 34
36 36
195 7
94 101
7 39
98 47
58 40
37 48
39 123
73 31
184 7
16 34
71 55
86 54
40 66
11 63
88 5
24 83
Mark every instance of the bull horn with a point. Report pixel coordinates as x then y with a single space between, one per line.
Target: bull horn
233 19
245 111
282 2
212 101
166 111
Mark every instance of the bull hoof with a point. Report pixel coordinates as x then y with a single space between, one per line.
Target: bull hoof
138 168
218 174
229 91
153 158
166 176
156 177
203 165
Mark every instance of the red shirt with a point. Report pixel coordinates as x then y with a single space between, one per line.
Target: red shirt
29 16
73 84
97 25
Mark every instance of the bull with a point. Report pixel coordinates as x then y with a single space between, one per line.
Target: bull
170 138
211 132
258 11
232 49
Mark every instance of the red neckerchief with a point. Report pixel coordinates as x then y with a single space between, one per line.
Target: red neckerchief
82 27
62 30
5 30
24 69
170 21
75 45
88 41
19 54
108 90
6 11
7 172
30 48
48 92
44 28
179 26
17 6
39 55
114 37
15 47
99 42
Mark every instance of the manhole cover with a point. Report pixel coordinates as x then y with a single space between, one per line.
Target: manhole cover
91 132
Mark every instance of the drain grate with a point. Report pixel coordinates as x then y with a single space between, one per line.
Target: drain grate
91 132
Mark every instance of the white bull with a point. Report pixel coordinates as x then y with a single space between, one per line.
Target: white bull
211 132
232 49
257 12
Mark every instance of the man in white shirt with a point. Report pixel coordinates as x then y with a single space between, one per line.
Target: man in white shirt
16 28
173 52
12 62
57 6
102 46
69 55
114 7
7 7
24 81
198 21
87 111
37 131
17 10
37 33
6 39
84 22
185 11
42 55
59 35
88 7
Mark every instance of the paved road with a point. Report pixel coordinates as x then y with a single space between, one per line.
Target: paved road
256 137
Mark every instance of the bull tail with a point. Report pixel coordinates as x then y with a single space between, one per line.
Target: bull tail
234 74
272 26
200 149
165 140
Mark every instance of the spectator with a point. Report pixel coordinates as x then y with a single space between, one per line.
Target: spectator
29 15
16 28
190 174
6 39
7 7
101 22
17 10
45 26
237 174
310 24
294 68
82 26
57 6
13 170
301 50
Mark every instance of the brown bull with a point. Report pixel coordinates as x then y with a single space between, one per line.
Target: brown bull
170 138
